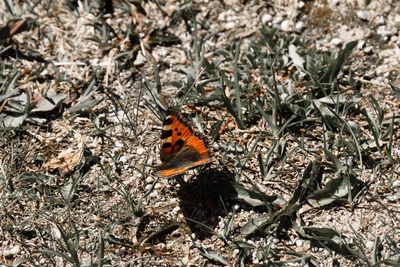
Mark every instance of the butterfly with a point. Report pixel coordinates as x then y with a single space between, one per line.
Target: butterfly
182 148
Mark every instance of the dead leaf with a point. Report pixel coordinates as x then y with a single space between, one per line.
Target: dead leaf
67 160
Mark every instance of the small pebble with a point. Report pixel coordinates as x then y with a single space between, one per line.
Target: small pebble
277 20
119 144
140 151
149 179
12 251
176 209
285 25
369 244
382 30
336 41
369 50
266 18
363 15
396 19
380 20
299 26
123 159
360 44
230 25
150 161
222 16
148 187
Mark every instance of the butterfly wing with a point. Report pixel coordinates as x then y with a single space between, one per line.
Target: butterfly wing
174 132
182 148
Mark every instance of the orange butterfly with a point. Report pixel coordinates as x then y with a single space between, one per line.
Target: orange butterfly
182 148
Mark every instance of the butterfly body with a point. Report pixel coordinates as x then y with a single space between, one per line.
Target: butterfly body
182 148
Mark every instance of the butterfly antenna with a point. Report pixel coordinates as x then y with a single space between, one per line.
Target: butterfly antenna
191 86
145 51
158 104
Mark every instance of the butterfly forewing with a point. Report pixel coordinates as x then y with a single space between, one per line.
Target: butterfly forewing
174 134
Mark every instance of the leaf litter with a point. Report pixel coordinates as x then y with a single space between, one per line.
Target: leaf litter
74 188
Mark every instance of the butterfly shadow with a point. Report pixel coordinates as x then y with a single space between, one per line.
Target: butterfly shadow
202 201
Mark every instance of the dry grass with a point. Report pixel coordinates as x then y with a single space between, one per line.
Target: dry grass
306 151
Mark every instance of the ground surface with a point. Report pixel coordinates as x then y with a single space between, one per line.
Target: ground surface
303 125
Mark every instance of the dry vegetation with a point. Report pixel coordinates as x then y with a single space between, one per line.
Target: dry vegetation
304 130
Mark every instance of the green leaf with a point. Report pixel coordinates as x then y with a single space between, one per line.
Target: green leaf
226 100
9 94
212 255
307 183
395 90
298 61
84 105
160 232
335 190
11 121
47 104
374 128
253 197
257 224
328 117
338 166
335 67
329 239
393 198
238 90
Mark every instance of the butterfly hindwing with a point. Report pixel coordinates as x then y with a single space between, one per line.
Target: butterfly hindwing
182 148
